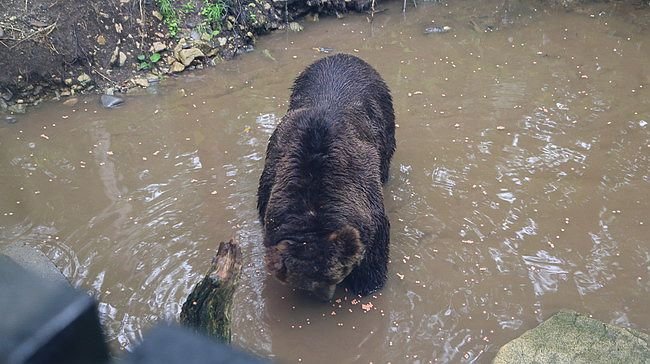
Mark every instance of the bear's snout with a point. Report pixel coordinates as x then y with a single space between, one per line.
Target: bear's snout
324 292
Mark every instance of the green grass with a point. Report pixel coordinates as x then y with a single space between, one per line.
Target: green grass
188 7
213 13
170 18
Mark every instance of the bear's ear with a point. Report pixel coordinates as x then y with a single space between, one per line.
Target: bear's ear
347 244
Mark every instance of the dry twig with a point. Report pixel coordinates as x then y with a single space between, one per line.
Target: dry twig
45 31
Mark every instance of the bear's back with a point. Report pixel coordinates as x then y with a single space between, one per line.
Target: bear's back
338 80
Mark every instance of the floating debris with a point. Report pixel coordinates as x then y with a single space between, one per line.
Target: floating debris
437 29
268 55
323 49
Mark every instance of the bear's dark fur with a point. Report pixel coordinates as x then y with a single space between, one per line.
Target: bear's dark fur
320 196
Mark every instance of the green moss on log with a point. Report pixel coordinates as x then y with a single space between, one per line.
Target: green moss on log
208 308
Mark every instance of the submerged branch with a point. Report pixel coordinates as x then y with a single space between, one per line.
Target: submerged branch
208 308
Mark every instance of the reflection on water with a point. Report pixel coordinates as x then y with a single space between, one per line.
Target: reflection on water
518 187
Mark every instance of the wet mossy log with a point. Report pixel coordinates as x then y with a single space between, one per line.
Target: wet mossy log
208 308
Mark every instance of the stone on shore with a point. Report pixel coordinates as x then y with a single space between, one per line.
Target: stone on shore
110 101
569 337
186 56
176 67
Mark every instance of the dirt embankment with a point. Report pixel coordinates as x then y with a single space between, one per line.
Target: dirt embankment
55 49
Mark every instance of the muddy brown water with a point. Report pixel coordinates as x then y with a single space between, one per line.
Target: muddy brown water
520 184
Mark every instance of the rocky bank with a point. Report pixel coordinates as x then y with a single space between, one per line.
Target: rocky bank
51 48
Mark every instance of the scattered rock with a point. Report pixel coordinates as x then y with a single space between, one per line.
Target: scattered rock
180 46
152 78
121 59
142 82
101 40
295 27
222 41
177 67
158 47
6 94
114 55
37 23
17 108
68 81
83 78
186 56
110 101
157 15
569 337
71 102
203 46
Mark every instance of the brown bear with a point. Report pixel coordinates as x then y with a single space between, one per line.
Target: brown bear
320 197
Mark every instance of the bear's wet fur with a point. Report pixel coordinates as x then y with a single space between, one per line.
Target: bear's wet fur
320 197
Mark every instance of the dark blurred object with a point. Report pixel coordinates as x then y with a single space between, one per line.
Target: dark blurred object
166 344
46 322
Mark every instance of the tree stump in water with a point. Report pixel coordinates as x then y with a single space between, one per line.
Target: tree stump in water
209 307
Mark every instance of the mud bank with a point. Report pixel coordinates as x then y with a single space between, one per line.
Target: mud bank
59 49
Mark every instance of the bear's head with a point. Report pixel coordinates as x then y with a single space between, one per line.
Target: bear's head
316 263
